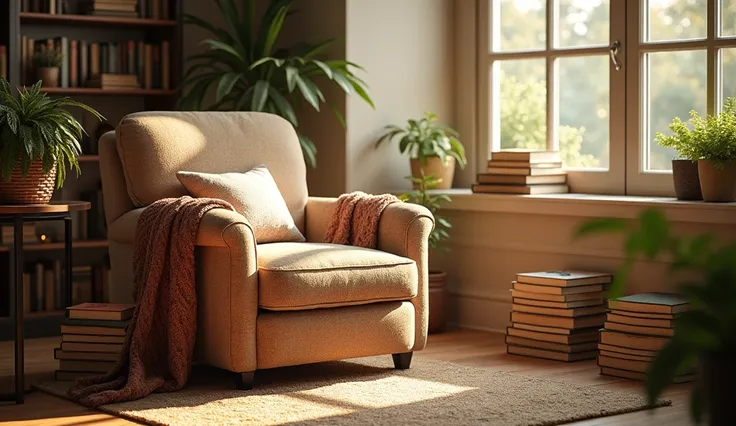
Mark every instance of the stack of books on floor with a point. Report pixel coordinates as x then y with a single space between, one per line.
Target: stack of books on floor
114 81
523 172
557 315
636 327
92 337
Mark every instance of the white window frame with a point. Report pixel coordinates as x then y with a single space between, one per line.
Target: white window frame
639 181
626 174
611 181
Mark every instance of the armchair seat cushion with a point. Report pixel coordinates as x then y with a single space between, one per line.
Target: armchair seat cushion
299 276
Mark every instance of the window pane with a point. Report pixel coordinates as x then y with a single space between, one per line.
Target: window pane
677 19
727 72
521 120
677 84
583 22
728 17
584 108
508 35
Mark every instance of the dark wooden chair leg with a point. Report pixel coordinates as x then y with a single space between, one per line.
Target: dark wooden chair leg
402 361
245 381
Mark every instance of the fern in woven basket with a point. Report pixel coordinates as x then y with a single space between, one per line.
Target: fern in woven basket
34 127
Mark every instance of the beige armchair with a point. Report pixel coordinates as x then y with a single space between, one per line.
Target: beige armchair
277 304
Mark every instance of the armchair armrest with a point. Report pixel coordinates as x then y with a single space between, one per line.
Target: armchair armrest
403 230
227 286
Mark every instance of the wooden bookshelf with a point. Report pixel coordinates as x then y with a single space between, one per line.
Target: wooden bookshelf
90 91
16 23
79 244
58 19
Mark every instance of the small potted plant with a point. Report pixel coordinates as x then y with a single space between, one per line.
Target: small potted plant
714 140
705 335
39 140
433 148
685 167
438 296
47 63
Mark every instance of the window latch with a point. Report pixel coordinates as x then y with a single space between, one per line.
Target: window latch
614 50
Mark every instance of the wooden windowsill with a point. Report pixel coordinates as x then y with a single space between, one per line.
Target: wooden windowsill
590 205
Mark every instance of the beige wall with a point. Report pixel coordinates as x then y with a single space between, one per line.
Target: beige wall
407 49
490 247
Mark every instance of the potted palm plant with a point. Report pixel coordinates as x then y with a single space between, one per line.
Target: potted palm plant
705 335
39 141
433 148
438 296
685 167
249 73
47 63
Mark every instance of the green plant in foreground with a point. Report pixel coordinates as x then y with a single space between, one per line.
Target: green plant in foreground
48 58
251 74
34 127
432 202
710 138
709 326
424 138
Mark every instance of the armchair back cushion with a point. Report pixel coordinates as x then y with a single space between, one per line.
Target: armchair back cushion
154 146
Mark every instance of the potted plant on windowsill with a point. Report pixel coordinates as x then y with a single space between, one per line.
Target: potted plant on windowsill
39 140
705 335
712 142
48 63
433 148
685 167
438 303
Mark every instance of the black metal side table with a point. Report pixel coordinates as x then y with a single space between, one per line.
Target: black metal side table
17 215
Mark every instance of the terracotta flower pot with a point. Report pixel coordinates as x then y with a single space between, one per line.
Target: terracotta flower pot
717 184
434 166
437 301
49 76
718 375
686 180
36 188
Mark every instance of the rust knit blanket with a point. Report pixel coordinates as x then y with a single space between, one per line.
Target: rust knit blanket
355 221
159 343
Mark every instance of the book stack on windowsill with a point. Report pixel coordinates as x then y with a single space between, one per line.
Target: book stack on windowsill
636 327
516 171
556 315
92 337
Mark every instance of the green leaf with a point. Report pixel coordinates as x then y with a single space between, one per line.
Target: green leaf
194 20
275 29
227 82
316 49
324 67
216 44
363 93
283 105
260 95
664 367
291 75
620 278
309 150
307 92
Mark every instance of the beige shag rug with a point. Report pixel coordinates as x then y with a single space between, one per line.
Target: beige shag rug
370 391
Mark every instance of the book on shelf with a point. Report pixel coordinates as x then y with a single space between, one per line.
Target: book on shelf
524 164
532 156
29 234
3 62
44 285
151 9
105 65
519 171
490 179
522 189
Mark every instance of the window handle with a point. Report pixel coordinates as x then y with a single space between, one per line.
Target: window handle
614 50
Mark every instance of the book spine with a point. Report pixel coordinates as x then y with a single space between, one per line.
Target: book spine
74 63
64 62
165 66
148 69
3 62
84 63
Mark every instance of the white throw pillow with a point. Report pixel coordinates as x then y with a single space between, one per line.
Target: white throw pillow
253 194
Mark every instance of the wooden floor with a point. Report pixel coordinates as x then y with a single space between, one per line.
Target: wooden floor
461 346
